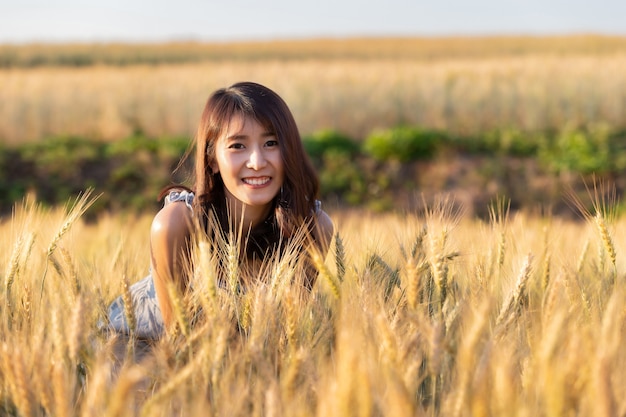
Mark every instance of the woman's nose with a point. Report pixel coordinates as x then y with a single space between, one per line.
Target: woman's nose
256 160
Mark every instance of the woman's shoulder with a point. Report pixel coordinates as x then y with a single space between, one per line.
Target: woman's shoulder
176 216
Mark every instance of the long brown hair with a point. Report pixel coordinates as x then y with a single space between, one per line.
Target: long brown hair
295 204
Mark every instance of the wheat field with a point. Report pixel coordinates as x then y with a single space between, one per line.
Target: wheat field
533 92
434 314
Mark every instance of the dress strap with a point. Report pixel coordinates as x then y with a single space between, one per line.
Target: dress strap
318 206
179 195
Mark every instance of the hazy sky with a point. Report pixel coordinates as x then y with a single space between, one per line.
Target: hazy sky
157 20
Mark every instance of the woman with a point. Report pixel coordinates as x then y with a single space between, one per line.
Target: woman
252 172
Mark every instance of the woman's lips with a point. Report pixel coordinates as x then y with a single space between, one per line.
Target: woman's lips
256 181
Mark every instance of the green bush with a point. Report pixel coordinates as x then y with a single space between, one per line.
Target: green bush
403 144
64 157
324 141
340 176
513 142
585 151
129 172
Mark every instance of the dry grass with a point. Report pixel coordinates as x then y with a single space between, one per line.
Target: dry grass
532 91
383 340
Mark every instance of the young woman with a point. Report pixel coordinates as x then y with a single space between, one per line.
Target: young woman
252 174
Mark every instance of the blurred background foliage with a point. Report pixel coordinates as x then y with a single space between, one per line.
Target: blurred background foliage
382 171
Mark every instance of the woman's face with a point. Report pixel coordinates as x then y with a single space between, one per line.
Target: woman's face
249 160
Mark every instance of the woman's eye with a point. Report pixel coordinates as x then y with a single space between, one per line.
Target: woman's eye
235 146
271 143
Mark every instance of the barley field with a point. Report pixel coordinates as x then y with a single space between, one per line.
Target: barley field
436 314
459 86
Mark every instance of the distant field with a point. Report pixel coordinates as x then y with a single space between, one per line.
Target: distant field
354 86
35 55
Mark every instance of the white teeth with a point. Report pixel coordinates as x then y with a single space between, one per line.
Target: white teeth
256 181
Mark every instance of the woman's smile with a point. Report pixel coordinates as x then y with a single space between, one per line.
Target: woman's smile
257 181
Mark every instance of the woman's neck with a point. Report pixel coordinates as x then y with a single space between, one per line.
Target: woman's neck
244 217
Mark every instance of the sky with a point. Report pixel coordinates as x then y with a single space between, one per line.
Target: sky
23 21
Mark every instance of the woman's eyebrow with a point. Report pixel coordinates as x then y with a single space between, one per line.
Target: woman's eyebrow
237 136
241 136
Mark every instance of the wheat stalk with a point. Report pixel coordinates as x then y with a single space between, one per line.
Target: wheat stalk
73 274
61 388
607 240
76 210
41 379
245 312
545 276
27 306
174 383
125 387
219 350
260 320
340 257
294 364
178 309
13 268
324 272
582 258
512 305
412 282
129 307
77 329
291 318
232 264
467 358
208 274
14 371
608 348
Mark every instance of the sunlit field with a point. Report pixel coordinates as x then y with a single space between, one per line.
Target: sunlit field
412 315
429 313
533 92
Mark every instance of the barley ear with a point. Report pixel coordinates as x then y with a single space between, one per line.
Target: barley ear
178 308
232 265
291 318
324 273
412 282
607 240
13 268
512 305
129 307
73 274
340 257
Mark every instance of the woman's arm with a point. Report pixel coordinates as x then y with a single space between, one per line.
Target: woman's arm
169 250
324 231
